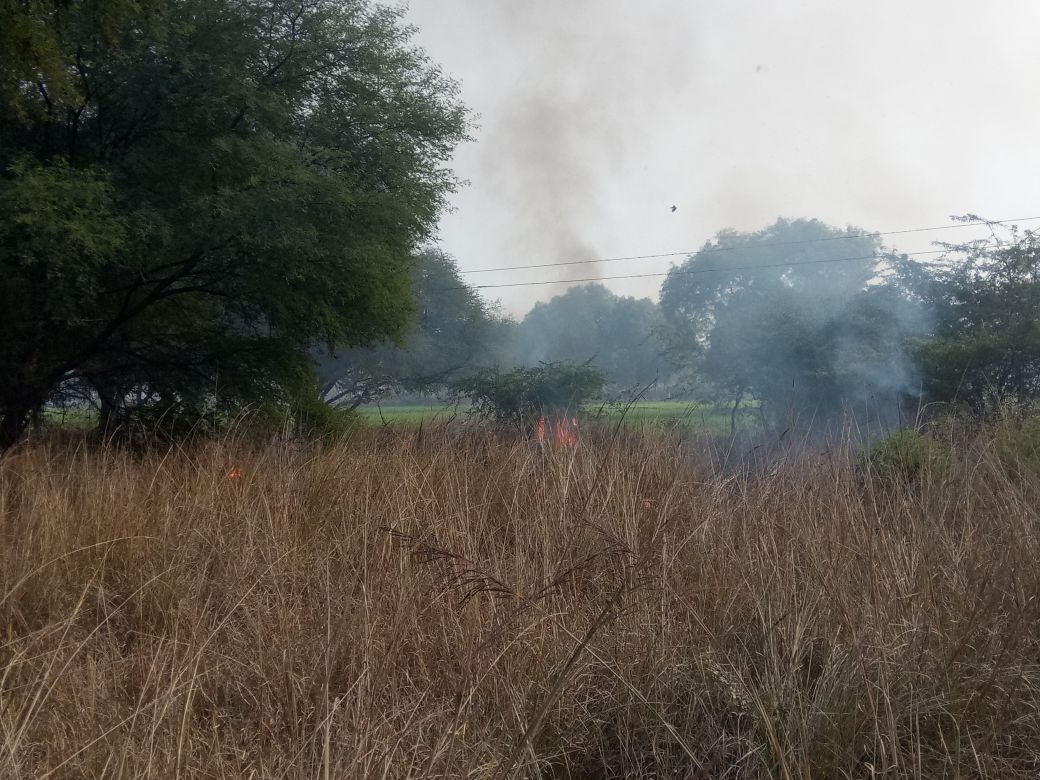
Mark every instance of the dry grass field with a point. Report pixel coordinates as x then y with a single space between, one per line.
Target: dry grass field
456 603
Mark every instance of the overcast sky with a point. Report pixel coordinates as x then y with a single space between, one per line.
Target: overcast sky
596 116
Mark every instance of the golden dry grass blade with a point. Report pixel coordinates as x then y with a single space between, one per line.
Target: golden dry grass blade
794 617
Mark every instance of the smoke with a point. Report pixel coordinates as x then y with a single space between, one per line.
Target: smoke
550 187
871 361
567 120
598 115
879 367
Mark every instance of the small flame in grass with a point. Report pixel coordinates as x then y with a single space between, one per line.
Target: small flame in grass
235 473
561 433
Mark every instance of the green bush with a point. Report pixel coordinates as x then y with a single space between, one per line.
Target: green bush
300 411
523 394
907 456
313 418
1016 444
296 410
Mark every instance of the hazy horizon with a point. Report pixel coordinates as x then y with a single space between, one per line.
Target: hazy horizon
596 117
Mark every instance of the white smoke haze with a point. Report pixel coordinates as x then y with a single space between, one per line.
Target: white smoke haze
573 88
598 115
551 193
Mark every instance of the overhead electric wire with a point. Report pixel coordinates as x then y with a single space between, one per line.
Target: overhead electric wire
680 271
663 255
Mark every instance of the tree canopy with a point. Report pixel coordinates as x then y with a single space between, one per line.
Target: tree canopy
986 347
193 193
801 316
454 331
615 334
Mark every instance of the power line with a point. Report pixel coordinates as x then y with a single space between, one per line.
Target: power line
664 255
700 270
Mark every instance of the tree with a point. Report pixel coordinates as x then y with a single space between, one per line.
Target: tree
986 348
454 331
195 192
35 36
803 317
616 335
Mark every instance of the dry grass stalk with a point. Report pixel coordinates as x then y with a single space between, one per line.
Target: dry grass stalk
619 610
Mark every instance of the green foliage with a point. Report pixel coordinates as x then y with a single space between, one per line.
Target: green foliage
60 227
193 193
986 349
907 456
39 66
1016 444
312 418
454 331
783 316
615 334
524 394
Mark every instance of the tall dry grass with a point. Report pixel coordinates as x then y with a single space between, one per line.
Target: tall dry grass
459 604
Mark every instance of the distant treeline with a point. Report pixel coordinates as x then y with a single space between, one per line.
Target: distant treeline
804 319
211 208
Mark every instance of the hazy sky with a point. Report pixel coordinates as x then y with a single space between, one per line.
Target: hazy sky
596 116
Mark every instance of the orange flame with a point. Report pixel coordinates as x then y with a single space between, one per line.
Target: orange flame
539 430
560 433
234 474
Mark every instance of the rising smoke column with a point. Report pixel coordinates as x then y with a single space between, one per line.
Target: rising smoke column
572 120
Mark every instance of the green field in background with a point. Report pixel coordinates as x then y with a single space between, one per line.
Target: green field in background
411 414
702 417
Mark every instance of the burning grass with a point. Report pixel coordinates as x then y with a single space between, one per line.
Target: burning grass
456 603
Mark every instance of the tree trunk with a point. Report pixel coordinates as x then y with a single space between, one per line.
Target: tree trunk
107 424
13 424
733 413
111 410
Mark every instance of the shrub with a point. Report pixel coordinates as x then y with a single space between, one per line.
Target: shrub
1016 444
312 417
300 412
523 394
907 455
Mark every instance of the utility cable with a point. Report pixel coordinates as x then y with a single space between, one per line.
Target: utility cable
700 270
973 223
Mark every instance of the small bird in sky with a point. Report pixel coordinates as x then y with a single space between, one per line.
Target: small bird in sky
675 209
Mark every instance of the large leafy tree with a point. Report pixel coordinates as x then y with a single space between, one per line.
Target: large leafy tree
986 348
34 45
801 316
195 192
454 332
